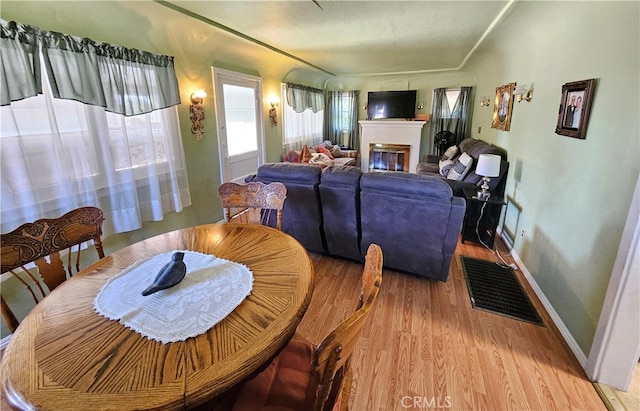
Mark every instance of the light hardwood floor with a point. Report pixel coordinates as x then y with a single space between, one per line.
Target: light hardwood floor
426 348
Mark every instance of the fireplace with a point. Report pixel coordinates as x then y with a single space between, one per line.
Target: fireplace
390 133
389 157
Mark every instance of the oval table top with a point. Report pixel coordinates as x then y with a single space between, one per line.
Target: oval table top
65 356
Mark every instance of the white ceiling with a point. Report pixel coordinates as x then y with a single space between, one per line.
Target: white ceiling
358 37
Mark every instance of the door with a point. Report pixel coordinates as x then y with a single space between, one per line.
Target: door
240 129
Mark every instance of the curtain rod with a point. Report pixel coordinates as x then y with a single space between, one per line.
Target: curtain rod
303 87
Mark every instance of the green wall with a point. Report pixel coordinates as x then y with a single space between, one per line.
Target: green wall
575 193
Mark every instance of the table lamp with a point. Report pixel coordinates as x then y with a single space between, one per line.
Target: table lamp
488 166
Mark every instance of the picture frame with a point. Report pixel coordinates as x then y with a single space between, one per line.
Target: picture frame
503 107
575 106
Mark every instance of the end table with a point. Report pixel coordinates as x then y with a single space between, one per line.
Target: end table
481 214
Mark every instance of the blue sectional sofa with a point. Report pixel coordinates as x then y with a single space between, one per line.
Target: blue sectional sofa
339 211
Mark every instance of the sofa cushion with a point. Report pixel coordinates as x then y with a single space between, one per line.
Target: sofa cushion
445 167
461 167
341 175
424 167
340 199
450 153
406 185
336 151
344 161
302 213
271 172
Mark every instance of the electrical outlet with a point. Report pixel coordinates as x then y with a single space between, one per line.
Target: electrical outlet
522 233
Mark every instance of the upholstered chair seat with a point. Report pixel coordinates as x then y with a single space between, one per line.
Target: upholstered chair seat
305 377
288 383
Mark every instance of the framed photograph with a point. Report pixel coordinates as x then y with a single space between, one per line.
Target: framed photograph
502 107
575 105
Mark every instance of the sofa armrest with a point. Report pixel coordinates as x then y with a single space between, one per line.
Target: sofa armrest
432 158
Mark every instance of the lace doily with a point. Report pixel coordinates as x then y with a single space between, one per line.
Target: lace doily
211 289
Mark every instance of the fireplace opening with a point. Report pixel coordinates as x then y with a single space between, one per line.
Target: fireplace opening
389 157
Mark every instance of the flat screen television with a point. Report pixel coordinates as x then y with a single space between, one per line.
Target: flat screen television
391 104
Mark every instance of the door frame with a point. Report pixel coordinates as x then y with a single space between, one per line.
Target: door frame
616 345
223 76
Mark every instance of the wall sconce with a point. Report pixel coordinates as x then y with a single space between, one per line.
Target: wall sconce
273 114
197 113
523 92
484 101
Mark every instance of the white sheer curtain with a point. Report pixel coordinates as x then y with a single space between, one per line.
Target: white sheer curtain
301 128
58 154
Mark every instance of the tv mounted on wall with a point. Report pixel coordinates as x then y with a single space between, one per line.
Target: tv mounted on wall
391 104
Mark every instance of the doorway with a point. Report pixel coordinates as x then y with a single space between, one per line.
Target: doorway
238 100
616 346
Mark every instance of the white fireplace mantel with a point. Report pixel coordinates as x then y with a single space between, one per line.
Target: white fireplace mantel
390 132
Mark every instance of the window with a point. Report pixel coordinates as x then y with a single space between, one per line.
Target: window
61 154
240 117
451 112
300 129
452 97
346 121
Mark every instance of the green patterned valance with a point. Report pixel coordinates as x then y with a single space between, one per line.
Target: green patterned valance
124 81
301 97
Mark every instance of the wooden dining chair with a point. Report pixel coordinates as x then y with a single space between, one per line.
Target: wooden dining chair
253 202
41 243
308 377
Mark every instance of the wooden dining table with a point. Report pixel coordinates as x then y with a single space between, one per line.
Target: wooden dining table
66 356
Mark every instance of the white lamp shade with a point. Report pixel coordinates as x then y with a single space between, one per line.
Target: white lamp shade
488 165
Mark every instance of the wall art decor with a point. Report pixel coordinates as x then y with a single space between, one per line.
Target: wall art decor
503 105
575 105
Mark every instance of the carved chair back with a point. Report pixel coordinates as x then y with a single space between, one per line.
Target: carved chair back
253 202
41 243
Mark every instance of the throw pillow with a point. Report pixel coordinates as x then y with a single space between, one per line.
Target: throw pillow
324 151
305 156
445 167
321 158
450 153
336 151
461 167
294 156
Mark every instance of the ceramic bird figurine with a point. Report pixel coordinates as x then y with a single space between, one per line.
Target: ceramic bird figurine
171 274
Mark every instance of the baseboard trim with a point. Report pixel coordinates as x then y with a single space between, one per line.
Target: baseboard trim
609 397
555 317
